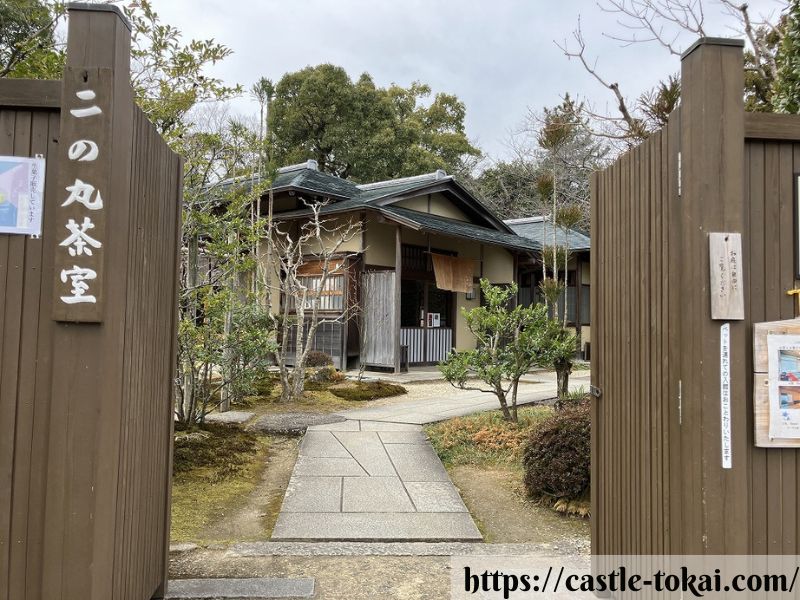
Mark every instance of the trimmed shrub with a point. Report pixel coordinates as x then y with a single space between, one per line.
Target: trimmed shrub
557 455
367 390
315 358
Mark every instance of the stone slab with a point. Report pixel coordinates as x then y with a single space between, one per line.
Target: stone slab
343 424
322 444
367 449
416 462
435 496
255 588
231 416
403 437
433 527
572 548
312 466
375 495
381 426
313 494
294 423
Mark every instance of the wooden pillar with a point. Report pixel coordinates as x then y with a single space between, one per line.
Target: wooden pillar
715 500
398 272
578 315
106 519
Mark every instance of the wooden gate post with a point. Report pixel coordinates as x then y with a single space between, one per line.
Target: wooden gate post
711 180
113 320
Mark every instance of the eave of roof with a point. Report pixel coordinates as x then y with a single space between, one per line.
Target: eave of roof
461 229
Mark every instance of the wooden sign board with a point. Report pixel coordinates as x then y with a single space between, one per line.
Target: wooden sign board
727 294
761 387
84 178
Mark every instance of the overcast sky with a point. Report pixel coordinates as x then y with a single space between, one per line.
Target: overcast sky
497 56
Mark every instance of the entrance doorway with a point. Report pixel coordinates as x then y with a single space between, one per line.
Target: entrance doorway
426 321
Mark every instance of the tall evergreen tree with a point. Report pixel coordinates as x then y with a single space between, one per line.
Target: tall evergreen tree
786 86
358 130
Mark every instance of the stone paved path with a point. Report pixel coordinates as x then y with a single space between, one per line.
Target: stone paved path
459 403
258 588
371 481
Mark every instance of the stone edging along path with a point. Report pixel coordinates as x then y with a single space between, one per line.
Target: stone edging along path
371 481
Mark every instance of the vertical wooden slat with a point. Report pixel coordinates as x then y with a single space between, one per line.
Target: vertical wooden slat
674 259
28 318
8 340
754 170
785 198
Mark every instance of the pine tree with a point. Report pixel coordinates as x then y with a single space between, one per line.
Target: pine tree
786 87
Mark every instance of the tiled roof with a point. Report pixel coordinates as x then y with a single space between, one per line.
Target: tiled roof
541 232
346 197
462 229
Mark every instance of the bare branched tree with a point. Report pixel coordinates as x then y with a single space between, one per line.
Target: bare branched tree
672 24
304 257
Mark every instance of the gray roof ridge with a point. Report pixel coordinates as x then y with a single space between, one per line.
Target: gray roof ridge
310 164
523 220
438 175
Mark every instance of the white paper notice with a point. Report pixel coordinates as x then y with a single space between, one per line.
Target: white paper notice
725 394
21 195
784 386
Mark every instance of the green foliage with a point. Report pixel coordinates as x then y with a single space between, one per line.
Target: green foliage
224 334
367 390
506 187
569 216
551 289
510 341
657 104
315 358
557 153
28 45
171 77
560 125
360 131
786 87
557 455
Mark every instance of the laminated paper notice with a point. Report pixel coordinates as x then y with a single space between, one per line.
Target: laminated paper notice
784 385
725 394
21 195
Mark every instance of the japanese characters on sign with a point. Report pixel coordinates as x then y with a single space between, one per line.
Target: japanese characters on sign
727 289
21 195
81 220
725 394
784 386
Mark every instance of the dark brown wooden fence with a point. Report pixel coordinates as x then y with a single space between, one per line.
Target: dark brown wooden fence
85 407
658 486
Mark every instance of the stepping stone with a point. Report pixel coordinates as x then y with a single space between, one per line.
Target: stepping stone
367 449
313 494
310 466
435 496
375 495
403 437
293 423
421 527
322 444
256 588
416 462
231 416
